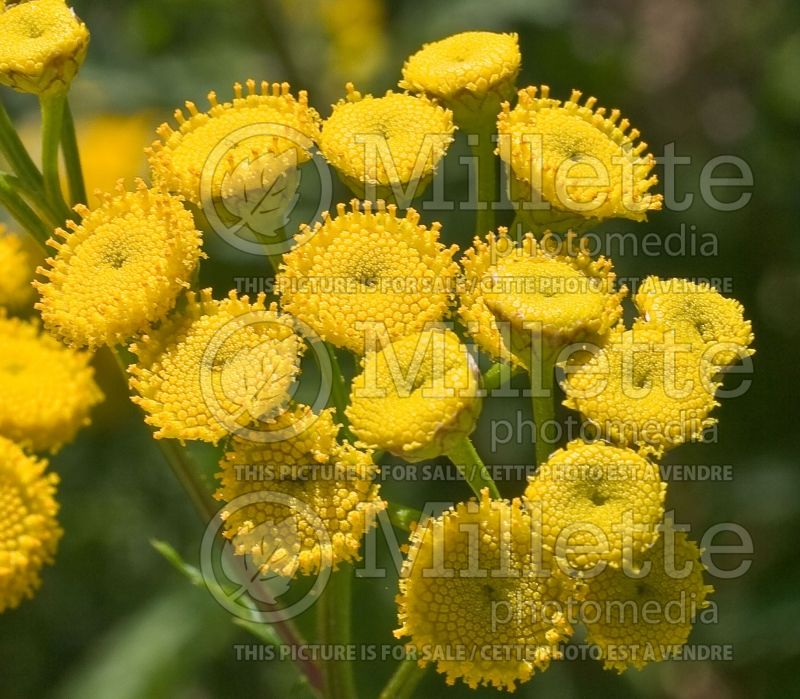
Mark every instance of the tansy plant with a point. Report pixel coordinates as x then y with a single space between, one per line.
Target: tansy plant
375 280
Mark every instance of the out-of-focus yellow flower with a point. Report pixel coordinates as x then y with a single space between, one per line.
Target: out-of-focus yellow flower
383 145
466 571
698 310
417 397
471 72
647 387
16 272
119 270
47 389
603 502
368 266
571 164
308 482
637 620
42 46
548 288
234 144
216 366
357 30
29 531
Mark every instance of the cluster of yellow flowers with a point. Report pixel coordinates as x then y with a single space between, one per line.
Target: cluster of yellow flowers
372 279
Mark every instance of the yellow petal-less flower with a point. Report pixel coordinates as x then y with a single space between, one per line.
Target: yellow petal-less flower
471 72
249 133
48 390
547 288
42 46
16 272
571 164
383 145
216 366
636 620
291 488
593 496
29 531
647 387
367 266
474 599
120 270
698 309
417 397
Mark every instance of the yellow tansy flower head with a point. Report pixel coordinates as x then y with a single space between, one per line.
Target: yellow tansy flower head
300 504
570 163
698 309
235 145
367 266
417 397
42 46
471 72
16 272
647 387
636 619
215 367
47 389
381 146
29 531
471 584
599 504
547 288
119 270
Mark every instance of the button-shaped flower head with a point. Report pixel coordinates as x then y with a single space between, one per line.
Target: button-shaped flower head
512 292
308 481
472 585
42 46
598 504
369 265
17 268
571 163
29 531
215 367
471 72
385 146
119 270
417 397
48 389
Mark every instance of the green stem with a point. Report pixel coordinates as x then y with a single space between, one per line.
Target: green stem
483 151
52 120
26 217
339 394
72 159
14 151
334 615
498 374
466 457
543 404
404 681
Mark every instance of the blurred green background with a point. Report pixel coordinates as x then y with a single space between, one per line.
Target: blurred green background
114 620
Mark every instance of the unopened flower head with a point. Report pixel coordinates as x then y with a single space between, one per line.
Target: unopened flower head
471 72
582 162
42 46
636 620
471 585
263 132
368 265
17 268
332 484
381 145
29 531
698 309
594 496
417 397
215 367
648 387
536 288
48 389
119 270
